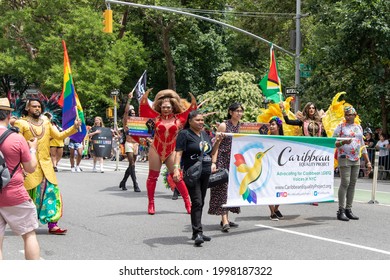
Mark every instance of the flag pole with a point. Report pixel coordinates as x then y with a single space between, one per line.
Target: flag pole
138 81
77 117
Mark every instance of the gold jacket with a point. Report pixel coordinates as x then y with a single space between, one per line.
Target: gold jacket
44 132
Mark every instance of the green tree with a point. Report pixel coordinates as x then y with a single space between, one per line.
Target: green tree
31 50
348 51
232 87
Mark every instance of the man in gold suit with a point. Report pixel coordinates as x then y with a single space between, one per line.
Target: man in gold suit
42 185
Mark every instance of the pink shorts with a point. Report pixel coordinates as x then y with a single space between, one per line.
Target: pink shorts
20 218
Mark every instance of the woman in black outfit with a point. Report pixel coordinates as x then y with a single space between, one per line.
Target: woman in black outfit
310 120
190 142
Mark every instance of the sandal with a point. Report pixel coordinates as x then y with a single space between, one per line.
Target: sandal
58 231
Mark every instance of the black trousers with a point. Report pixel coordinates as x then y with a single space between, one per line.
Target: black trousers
197 194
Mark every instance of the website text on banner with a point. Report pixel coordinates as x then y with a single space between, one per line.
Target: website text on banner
267 169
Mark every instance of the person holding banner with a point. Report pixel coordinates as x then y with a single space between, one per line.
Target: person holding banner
131 149
168 117
98 122
221 159
42 184
275 128
348 153
190 143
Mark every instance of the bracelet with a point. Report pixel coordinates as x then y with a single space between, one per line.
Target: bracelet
33 151
213 163
176 165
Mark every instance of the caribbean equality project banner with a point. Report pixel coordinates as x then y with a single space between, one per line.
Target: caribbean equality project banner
266 169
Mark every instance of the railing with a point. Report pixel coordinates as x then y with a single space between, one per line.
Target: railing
381 165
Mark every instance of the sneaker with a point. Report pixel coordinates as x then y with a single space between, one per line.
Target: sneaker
78 169
225 228
94 170
205 237
72 169
273 217
279 215
101 170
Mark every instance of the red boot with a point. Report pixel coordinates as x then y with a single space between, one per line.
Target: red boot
181 186
151 187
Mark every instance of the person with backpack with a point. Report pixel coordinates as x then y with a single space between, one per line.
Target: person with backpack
16 208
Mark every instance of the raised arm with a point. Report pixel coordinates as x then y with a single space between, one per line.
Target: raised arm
127 108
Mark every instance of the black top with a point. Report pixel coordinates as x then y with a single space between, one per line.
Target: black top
300 123
191 145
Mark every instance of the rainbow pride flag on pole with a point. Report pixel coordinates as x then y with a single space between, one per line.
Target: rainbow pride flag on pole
70 103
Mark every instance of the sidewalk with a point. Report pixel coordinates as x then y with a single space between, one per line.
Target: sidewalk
364 191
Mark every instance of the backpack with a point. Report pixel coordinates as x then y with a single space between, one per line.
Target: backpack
5 175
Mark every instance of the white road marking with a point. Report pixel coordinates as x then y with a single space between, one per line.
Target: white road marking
327 239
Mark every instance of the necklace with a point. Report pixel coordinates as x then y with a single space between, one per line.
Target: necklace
39 124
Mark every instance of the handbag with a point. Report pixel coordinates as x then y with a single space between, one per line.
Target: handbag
218 178
195 171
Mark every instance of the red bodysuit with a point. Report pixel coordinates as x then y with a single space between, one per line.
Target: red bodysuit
166 130
166 127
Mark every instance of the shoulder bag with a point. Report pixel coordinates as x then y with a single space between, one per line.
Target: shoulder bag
193 173
220 177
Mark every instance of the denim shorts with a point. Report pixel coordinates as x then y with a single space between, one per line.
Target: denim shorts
74 145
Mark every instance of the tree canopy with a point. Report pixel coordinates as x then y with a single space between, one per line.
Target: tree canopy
345 43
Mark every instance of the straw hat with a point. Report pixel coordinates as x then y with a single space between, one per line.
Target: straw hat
4 104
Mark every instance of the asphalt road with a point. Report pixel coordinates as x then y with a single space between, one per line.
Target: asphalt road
106 223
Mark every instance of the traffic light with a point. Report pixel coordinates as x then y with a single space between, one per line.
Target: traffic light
107 21
109 113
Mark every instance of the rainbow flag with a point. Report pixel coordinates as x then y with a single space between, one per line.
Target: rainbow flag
271 84
70 103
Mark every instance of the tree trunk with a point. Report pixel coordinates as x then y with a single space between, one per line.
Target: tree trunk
171 69
123 23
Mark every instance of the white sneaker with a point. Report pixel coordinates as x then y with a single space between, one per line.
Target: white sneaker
72 169
78 169
94 170
101 170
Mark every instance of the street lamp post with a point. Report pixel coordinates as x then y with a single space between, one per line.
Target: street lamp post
114 94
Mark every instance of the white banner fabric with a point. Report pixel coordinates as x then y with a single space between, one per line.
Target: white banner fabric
270 170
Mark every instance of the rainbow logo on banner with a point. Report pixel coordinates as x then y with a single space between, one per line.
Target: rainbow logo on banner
137 127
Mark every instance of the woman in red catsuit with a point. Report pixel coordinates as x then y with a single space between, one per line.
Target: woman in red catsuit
168 118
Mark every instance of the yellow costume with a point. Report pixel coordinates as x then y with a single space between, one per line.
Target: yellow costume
56 143
44 131
42 184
